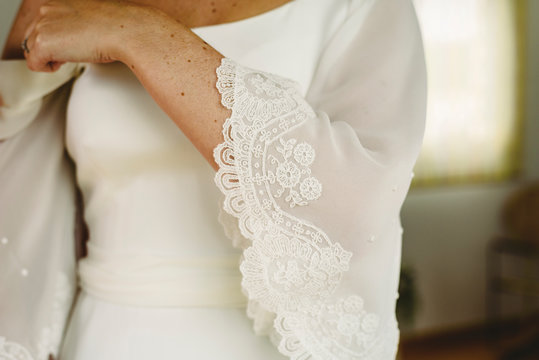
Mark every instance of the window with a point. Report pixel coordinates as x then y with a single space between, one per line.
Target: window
473 50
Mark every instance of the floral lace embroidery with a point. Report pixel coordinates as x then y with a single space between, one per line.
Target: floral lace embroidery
10 350
51 335
289 174
291 268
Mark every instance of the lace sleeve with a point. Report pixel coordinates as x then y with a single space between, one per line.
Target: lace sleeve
316 194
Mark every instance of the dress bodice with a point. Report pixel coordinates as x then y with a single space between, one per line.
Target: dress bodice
150 201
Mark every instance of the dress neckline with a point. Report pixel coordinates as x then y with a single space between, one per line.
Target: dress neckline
268 13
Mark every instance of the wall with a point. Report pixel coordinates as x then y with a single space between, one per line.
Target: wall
8 8
446 229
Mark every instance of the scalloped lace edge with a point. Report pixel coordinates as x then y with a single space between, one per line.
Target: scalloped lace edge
266 322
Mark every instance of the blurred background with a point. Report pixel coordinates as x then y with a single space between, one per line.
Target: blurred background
470 280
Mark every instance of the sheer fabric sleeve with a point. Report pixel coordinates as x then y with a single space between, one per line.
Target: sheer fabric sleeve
313 185
22 92
37 213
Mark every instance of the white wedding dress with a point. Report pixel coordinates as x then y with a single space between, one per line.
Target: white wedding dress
328 102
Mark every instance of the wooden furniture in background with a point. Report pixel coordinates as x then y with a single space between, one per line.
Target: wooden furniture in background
519 242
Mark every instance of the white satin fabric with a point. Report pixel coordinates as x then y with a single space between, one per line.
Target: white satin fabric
152 207
105 330
151 204
328 102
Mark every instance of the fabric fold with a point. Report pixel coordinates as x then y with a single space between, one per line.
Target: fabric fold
143 279
37 230
22 91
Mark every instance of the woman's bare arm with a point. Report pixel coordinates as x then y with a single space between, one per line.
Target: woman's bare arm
175 66
178 69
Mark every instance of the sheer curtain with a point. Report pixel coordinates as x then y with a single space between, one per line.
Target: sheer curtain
473 123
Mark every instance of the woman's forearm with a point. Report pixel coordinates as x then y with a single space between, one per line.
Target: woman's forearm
177 68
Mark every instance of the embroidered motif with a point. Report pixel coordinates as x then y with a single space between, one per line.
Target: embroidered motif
346 320
10 350
290 171
291 269
51 335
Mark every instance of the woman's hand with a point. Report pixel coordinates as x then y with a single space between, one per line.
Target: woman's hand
176 67
83 31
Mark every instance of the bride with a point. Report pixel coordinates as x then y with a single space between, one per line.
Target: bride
237 159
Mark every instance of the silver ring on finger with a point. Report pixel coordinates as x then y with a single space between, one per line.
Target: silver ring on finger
24 46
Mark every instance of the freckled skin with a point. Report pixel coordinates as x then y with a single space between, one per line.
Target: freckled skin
193 13
144 38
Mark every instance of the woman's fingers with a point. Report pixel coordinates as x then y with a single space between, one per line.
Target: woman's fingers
36 58
35 49
29 30
43 45
80 31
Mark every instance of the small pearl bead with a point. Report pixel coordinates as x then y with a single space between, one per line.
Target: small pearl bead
412 175
4 240
401 230
371 239
24 272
